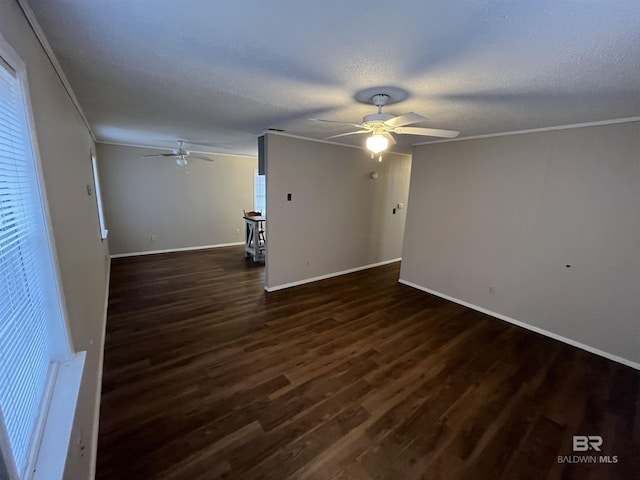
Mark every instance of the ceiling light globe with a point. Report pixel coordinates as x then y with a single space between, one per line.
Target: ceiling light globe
377 143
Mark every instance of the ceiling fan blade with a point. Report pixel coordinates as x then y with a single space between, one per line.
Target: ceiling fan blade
428 132
348 133
337 123
392 140
161 155
406 119
206 159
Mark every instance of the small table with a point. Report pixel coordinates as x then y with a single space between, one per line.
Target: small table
254 239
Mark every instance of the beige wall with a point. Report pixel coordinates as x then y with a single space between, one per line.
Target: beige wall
151 196
339 218
512 212
64 145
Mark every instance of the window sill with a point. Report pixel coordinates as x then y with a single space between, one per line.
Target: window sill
54 445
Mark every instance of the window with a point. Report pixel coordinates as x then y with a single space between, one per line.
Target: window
260 191
33 337
96 182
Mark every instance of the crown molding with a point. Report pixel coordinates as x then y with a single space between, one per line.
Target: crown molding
536 130
46 46
135 145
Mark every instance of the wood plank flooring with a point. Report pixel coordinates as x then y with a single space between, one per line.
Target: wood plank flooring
357 377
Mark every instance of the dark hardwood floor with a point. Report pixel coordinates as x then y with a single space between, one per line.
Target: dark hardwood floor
355 377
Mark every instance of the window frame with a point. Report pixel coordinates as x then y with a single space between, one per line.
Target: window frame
63 384
104 232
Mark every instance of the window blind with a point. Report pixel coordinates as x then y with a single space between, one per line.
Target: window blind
24 355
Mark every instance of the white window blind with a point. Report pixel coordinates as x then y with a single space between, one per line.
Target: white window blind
24 353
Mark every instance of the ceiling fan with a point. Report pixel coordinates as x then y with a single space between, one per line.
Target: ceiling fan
181 155
383 126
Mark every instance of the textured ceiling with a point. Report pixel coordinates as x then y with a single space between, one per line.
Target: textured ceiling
149 72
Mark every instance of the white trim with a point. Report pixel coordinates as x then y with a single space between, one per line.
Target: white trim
121 144
329 142
52 257
300 137
50 443
93 448
17 64
43 418
46 46
171 250
52 454
98 194
535 329
330 275
535 130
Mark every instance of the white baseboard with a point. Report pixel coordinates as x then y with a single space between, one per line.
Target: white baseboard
93 452
171 250
541 331
329 275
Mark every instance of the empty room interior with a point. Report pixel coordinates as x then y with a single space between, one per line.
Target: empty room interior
319 240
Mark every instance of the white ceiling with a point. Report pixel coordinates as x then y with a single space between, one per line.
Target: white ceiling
149 72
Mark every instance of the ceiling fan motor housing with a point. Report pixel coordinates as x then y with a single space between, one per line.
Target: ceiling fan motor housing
376 118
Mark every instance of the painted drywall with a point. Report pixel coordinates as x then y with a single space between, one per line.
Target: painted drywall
338 218
182 208
549 221
65 144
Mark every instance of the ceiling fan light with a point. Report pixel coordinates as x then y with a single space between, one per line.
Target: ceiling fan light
377 143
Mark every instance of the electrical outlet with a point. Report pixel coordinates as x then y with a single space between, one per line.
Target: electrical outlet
154 237
492 289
